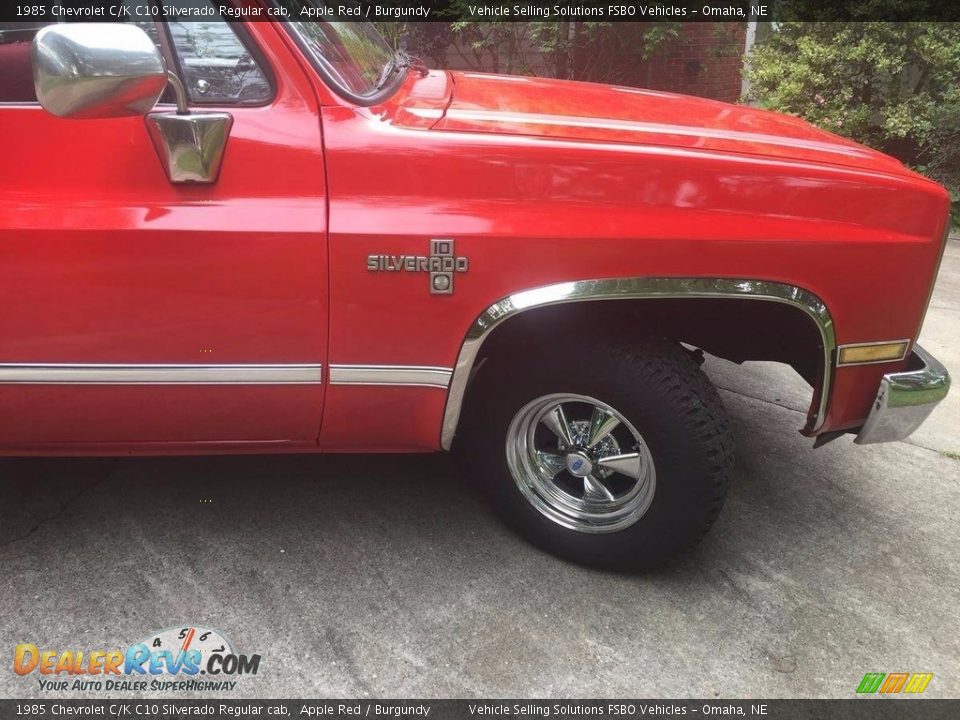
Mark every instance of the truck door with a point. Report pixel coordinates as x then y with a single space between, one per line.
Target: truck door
136 310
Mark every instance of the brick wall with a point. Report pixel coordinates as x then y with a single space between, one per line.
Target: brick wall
705 59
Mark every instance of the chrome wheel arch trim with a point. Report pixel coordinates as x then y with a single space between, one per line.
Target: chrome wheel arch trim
637 288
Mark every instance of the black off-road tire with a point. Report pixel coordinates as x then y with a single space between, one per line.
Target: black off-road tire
660 389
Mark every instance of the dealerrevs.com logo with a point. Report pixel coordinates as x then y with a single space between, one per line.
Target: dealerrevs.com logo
188 658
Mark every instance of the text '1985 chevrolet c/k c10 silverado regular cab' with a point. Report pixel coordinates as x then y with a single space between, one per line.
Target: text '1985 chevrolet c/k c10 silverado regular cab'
294 239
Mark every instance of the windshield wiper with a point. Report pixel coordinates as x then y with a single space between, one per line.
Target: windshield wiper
399 61
419 65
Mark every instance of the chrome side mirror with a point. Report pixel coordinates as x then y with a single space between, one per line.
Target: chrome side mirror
93 70
105 70
191 146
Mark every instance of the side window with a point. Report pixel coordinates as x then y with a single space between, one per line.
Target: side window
16 74
215 65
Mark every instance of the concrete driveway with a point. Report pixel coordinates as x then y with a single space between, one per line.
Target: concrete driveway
387 576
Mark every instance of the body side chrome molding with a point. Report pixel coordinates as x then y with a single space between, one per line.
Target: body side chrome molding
155 374
414 375
638 288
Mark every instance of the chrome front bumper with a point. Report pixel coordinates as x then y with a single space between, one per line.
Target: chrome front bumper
905 399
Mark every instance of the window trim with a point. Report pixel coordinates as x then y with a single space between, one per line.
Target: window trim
385 93
249 44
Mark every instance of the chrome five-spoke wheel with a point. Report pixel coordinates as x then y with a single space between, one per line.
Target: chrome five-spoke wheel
616 459
580 463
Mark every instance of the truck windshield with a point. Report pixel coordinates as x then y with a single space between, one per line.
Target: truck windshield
351 52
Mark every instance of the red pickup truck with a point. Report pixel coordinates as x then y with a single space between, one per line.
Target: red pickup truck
230 237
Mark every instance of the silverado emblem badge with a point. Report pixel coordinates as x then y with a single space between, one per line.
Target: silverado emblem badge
442 264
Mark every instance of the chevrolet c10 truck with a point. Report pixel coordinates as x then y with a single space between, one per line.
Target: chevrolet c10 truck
233 237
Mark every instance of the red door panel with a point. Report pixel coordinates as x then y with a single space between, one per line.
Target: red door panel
103 261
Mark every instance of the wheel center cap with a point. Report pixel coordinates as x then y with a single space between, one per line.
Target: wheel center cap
579 465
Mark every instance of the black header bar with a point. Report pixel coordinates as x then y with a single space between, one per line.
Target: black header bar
486 10
615 709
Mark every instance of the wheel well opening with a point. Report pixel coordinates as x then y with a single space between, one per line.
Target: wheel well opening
733 329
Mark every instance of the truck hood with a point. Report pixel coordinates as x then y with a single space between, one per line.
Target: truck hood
563 109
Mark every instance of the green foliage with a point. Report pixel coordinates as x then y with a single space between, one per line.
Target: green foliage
571 48
428 41
894 86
